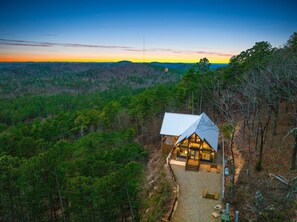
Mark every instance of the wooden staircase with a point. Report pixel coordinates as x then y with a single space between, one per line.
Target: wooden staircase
192 165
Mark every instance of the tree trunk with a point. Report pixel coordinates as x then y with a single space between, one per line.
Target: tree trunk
259 164
253 124
294 154
266 131
23 217
123 217
276 117
81 132
262 134
50 200
257 136
246 117
130 205
233 162
60 197
11 202
192 103
243 127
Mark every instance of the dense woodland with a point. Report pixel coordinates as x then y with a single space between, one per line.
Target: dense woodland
19 80
76 139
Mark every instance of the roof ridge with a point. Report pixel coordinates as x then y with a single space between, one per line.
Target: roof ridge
201 115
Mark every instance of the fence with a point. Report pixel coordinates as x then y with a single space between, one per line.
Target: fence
175 202
223 170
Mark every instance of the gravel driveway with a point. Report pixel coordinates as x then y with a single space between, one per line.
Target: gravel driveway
192 207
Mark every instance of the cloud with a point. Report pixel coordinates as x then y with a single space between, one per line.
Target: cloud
215 53
52 44
23 43
191 52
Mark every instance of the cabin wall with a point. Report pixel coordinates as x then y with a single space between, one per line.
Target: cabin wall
167 144
166 149
203 150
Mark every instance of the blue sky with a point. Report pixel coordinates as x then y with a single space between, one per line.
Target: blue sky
116 30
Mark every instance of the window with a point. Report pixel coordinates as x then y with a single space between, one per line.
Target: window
182 152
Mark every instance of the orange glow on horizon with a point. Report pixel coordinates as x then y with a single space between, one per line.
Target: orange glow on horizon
4 58
60 54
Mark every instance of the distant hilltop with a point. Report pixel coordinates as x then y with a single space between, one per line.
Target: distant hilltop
183 66
178 66
124 62
172 65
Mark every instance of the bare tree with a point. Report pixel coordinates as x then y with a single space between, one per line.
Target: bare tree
258 92
266 88
285 75
227 103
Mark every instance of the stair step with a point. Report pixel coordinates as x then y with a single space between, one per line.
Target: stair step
192 167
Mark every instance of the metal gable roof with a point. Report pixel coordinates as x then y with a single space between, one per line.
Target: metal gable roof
185 125
174 124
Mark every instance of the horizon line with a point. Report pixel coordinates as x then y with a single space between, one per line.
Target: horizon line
153 61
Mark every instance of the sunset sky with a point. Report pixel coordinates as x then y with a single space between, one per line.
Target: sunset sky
140 31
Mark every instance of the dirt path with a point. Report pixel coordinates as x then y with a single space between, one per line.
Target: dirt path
192 207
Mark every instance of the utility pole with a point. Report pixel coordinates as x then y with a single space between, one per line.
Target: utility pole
143 49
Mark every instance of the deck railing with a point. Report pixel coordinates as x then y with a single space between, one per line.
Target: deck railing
223 170
168 158
175 201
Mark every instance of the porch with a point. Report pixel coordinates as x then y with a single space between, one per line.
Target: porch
193 158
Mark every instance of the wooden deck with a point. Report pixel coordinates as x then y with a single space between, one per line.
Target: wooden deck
195 164
192 207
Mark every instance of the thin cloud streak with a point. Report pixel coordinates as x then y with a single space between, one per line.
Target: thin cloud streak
52 44
23 43
192 52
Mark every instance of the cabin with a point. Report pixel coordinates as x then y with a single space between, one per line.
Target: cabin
191 139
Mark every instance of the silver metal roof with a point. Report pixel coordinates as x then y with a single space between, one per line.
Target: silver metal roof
174 124
184 125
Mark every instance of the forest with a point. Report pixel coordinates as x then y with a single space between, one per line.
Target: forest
77 140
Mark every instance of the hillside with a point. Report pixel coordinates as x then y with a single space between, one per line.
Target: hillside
183 67
277 157
54 78
75 140
80 141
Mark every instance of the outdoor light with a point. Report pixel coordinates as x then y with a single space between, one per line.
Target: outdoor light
226 171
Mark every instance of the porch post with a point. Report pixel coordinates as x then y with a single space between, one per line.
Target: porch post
188 148
162 145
